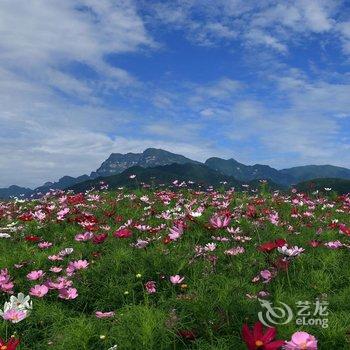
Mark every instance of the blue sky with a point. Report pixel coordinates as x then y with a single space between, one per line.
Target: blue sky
259 81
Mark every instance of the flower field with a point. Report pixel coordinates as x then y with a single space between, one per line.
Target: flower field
175 269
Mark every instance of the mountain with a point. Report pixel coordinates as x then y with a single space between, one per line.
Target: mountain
61 184
166 174
15 191
151 157
309 172
244 172
340 186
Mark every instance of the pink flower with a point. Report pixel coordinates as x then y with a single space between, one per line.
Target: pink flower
54 257
39 290
68 293
44 245
150 287
14 315
302 340
176 279
140 244
79 264
333 244
234 251
35 275
56 269
175 232
220 221
122 233
100 314
83 237
266 275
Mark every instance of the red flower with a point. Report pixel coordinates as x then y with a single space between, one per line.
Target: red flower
118 218
282 264
315 243
280 242
188 334
257 340
344 229
26 217
269 246
97 239
32 238
166 240
123 233
251 211
75 199
10 345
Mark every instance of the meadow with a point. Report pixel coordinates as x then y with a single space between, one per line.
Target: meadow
175 268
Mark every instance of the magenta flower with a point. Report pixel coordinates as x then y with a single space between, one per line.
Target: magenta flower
39 290
122 233
35 275
176 279
150 287
300 341
266 275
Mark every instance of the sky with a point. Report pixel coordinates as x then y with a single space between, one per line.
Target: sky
258 81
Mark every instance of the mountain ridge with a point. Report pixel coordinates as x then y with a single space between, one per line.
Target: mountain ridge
117 163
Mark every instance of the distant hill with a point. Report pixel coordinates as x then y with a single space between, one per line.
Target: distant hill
309 172
151 157
248 172
61 184
118 163
15 191
166 174
340 186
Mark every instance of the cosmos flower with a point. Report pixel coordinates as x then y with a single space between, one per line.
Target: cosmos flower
150 287
300 341
293 251
257 339
100 314
10 345
35 275
39 290
176 279
219 221
68 293
122 233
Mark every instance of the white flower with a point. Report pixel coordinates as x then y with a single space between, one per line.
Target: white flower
114 347
4 235
7 306
293 251
21 302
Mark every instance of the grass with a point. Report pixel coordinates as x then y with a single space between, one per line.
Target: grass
217 295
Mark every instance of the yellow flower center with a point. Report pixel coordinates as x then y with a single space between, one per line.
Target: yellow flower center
303 346
259 343
4 347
